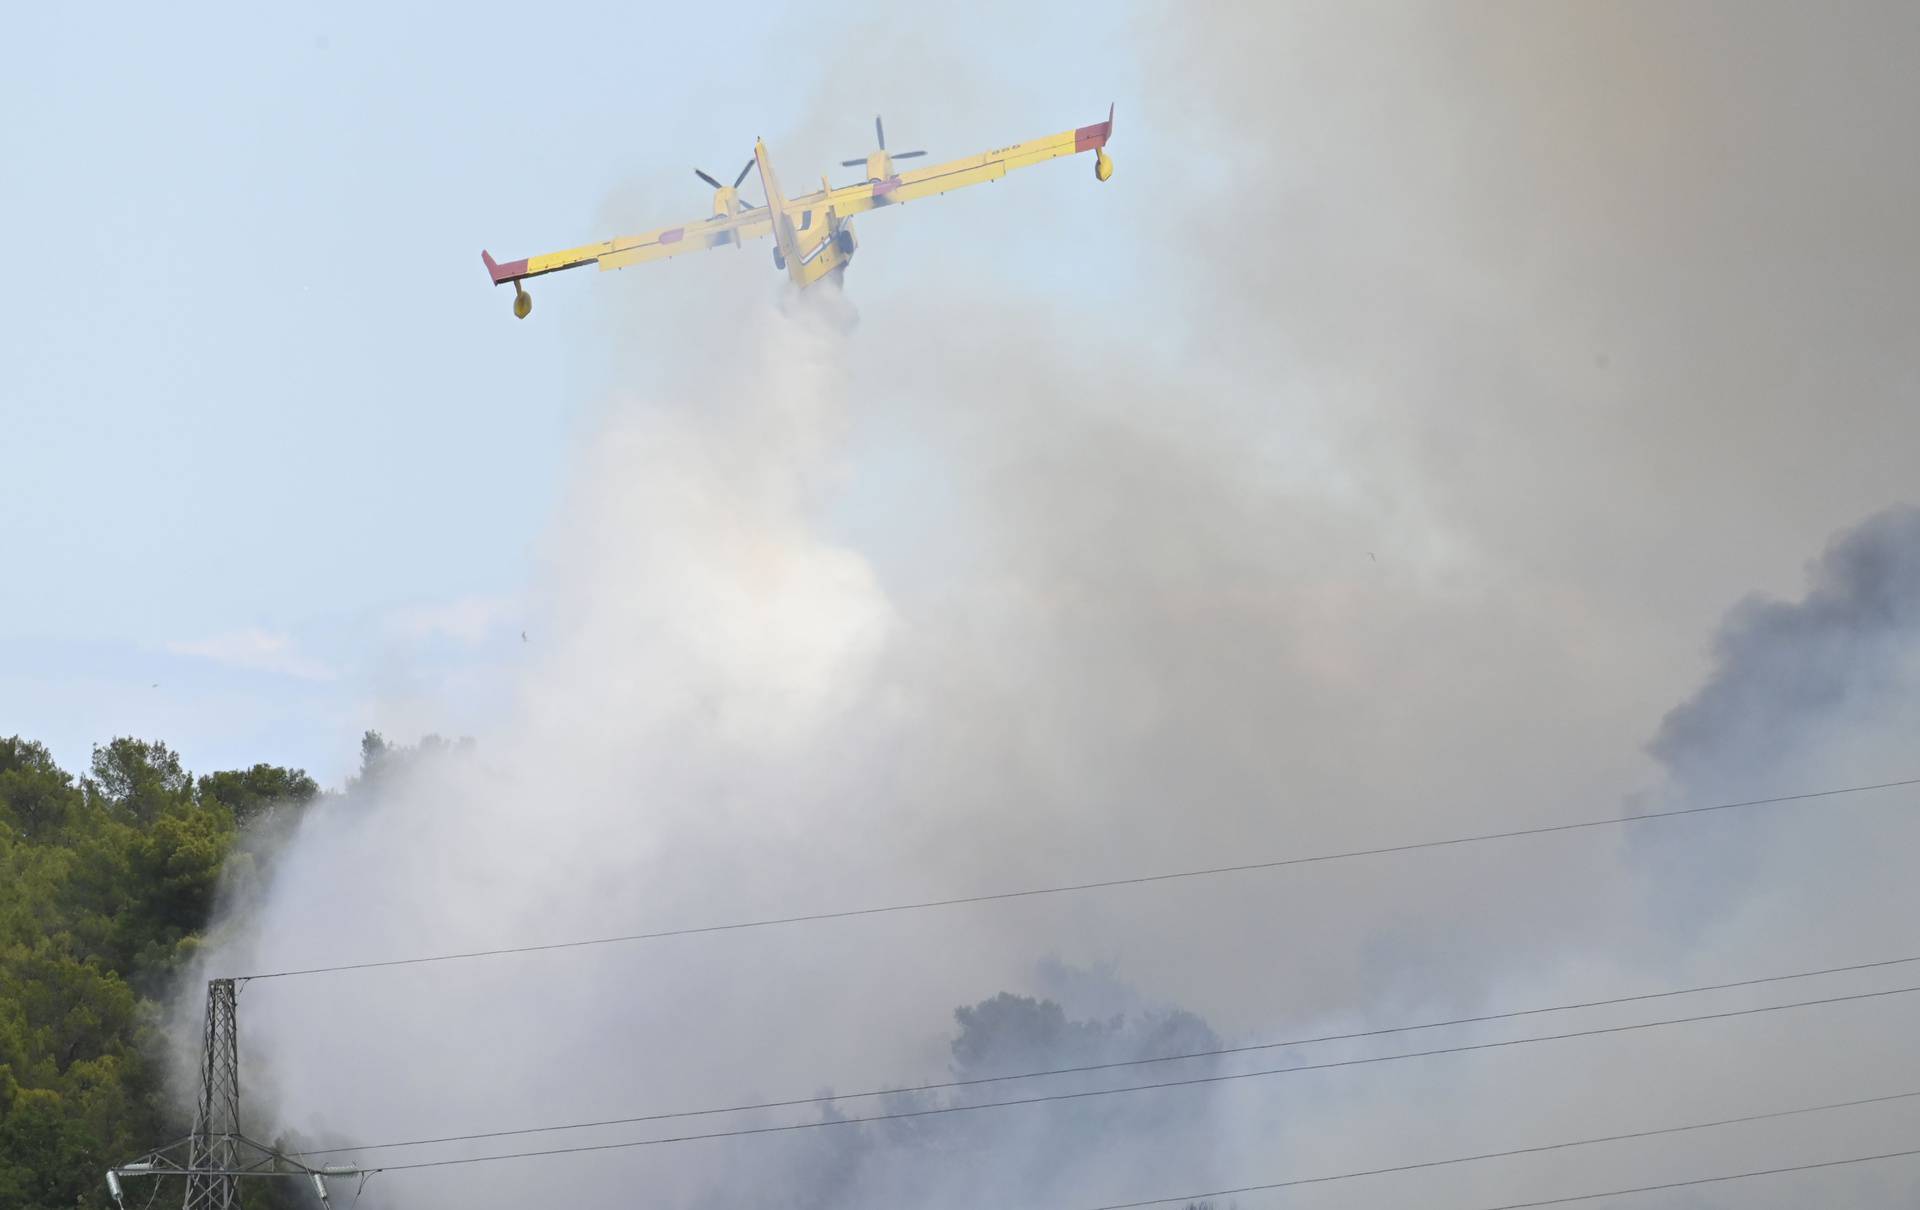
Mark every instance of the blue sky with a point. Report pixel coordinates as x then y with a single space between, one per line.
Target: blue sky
273 451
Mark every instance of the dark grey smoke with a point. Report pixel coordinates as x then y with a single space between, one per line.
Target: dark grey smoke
1010 1033
1802 694
1789 672
1035 1155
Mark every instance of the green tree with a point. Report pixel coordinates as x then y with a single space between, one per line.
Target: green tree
105 889
252 794
36 797
139 780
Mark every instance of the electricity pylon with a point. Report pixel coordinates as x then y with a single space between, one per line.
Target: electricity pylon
216 1155
213 1148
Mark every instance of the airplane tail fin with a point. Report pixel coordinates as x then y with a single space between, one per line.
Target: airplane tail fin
775 199
786 243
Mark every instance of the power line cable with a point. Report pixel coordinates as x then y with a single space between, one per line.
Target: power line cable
1715 1180
1091 1067
1153 1087
1072 888
1708 1180
1297 1182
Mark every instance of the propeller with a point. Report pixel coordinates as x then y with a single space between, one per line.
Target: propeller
880 137
748 167
744 170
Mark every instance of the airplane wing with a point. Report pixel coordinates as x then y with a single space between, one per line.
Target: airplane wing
728 230
956 174
621 251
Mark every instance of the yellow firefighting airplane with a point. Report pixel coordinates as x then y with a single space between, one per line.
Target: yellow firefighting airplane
812 236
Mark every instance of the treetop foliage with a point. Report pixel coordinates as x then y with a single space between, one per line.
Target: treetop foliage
106 884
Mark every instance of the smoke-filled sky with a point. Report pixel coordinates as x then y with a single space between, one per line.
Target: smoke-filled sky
1448 419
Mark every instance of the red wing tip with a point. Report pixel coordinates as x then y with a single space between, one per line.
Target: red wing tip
511 271
1089 137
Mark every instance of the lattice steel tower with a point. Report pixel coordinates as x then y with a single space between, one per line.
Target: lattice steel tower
216 1156
213 1151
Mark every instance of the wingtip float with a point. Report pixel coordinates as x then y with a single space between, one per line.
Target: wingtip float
512 271
812 233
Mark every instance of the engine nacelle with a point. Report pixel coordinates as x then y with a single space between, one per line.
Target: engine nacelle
522 302
1102 164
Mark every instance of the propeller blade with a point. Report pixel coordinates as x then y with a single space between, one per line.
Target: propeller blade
879 132
709 180
743 174
853 163
907 155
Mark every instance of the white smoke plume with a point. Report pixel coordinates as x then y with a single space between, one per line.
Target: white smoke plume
1510 346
